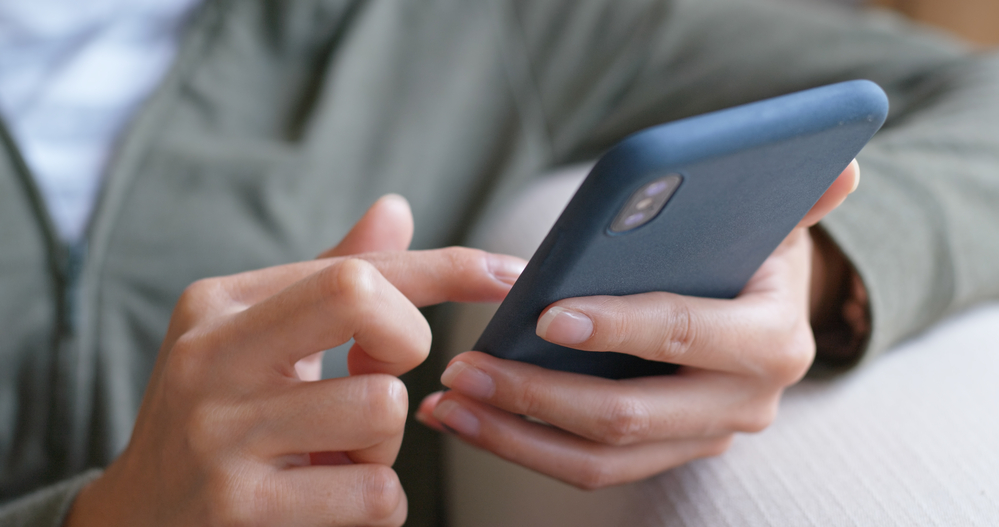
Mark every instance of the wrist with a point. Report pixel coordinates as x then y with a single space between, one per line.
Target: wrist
95 504
839 307
79 514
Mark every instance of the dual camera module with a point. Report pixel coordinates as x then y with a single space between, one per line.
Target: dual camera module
646 203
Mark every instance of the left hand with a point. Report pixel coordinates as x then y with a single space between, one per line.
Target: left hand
737 357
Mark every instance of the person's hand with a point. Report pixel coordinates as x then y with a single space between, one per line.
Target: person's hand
736 356
235 429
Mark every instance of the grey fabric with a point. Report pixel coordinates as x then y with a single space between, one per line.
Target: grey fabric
47 507
930 254
281 121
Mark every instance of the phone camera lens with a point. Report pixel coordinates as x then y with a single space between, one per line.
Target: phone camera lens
656 188
634 219
645 203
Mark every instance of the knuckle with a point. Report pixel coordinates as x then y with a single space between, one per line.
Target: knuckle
465 265
353 279
757 419
381 493
199 291
530 396
387 402
793 357
195 300
464 258
627 420
456 253
595 473
679 332
612 333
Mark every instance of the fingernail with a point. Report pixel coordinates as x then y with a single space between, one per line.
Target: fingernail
457 418
392 196
564 326
468 380
856 180
506 269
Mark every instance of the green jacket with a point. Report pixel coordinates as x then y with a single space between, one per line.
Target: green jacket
280 122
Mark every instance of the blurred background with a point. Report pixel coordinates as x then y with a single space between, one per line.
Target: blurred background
975 20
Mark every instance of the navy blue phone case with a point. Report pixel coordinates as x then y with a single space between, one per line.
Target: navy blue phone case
750 173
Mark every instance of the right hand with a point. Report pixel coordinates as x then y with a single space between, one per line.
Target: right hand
233 428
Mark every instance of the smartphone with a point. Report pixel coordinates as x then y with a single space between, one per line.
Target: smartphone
692 207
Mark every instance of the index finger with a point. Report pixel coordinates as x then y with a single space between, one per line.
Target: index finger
356 298
452 274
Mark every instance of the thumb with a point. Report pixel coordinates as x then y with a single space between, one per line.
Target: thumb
386 226
845 184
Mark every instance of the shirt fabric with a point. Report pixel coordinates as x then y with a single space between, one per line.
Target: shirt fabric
72 73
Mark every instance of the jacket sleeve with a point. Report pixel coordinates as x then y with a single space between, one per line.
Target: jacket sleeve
46 507
920 230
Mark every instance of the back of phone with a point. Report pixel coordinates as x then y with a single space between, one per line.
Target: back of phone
743 177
